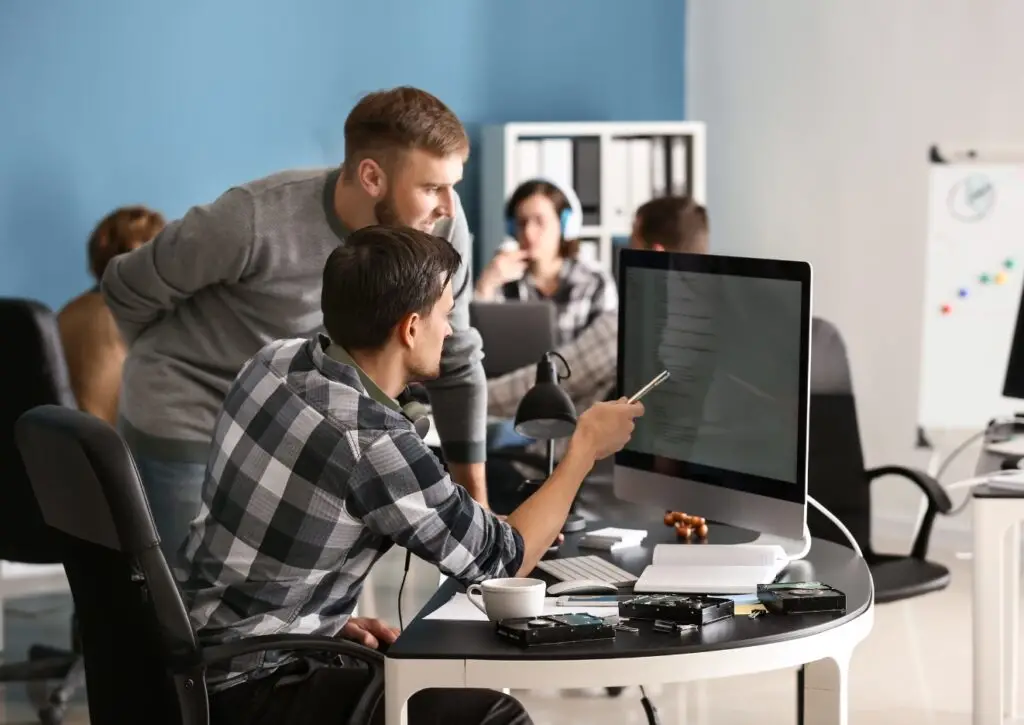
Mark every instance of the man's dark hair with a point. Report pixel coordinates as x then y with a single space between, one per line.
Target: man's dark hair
677 223
379 275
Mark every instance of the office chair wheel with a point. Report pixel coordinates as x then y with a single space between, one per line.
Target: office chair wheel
53 714
614 691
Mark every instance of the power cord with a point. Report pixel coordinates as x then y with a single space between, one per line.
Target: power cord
401 588
649 709
975 481
838 524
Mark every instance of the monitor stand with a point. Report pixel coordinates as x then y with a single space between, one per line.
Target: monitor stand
793 548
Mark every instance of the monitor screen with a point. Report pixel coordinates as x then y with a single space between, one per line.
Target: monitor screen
734 335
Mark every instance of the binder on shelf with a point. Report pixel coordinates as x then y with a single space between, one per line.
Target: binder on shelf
556 160
659 166
619 213
586 177
678 166
528 160
640 191
590 250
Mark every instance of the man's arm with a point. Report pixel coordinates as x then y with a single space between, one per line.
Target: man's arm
459 396
211 244
400 491
592 359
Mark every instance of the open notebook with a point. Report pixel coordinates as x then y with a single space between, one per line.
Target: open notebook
711 568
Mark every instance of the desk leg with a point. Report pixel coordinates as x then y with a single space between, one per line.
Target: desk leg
989 610
404 678
826 691
1011 649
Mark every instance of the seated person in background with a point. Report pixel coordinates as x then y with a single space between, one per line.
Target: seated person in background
546 220
93 346
665 224
316 472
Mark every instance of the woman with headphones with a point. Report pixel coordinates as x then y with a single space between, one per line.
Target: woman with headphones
546 220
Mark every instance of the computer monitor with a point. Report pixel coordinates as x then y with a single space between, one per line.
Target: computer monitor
725 437
1013 383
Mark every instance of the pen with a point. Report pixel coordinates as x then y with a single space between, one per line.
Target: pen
658 380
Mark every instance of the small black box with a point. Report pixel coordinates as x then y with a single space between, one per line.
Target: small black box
555 629
679 608
800 598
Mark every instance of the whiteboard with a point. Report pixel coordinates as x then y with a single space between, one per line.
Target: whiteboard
973 281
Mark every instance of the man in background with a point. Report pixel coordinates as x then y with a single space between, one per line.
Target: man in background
665 224
93 347
234 275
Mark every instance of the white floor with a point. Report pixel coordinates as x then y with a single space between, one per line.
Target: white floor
914 668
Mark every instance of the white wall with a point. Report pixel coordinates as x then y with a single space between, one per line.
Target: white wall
820 114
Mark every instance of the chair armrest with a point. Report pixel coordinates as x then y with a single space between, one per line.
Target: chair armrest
291 643
938 502
931 488
371 696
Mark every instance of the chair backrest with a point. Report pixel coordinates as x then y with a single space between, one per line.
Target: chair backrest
133 623
32 372
836 476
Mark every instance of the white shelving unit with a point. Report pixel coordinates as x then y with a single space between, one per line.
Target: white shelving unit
613 166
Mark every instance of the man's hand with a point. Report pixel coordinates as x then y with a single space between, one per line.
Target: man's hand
368 632
605 428
473 478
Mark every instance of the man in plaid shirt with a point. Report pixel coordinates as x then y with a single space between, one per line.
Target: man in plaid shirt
665 224
316 472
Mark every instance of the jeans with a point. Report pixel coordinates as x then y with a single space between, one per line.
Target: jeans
502 434
328 695
174 490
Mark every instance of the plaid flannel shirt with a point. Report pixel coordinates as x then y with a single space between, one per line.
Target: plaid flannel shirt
310 481
584 293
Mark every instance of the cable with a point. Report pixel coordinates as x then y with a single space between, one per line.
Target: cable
958 450
976 481
846 532
649 709
401 587
839 524
568 370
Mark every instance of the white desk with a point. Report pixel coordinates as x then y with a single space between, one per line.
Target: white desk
446 654
996 607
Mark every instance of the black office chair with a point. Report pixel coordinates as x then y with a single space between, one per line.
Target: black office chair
838 480
142 660
32 372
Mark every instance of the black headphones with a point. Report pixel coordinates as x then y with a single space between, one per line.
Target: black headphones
416 412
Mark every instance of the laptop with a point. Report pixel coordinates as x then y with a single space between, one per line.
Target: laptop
515 334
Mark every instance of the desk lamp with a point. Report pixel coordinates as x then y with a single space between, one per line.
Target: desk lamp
547 412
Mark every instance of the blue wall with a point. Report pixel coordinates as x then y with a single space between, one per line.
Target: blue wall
118 101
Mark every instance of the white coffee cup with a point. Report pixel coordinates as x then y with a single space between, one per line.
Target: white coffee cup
508 598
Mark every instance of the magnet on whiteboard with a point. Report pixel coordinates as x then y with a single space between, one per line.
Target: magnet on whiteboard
946 309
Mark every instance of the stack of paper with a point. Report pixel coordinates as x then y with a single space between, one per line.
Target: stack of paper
711 568
612 539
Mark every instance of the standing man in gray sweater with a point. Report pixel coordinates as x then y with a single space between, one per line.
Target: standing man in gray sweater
231 276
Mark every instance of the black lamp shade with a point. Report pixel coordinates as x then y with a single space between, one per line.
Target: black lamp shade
546 412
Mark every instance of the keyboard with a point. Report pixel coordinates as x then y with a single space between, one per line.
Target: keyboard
586 567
